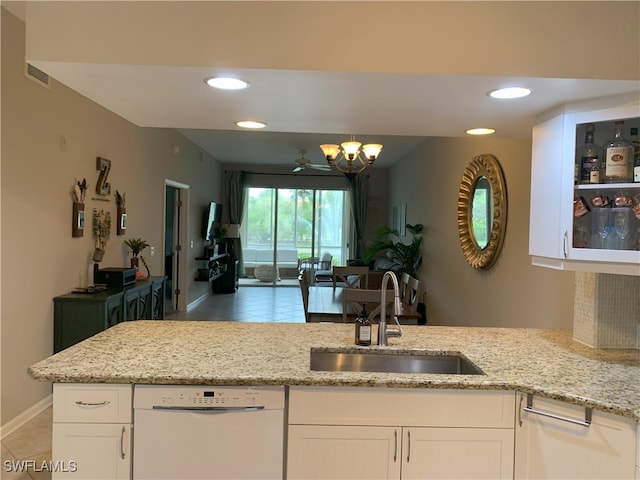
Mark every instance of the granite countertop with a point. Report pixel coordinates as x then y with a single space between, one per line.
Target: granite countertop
545 362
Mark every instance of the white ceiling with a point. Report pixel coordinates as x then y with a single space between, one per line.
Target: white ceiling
304 108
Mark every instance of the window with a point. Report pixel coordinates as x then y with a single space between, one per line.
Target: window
301 222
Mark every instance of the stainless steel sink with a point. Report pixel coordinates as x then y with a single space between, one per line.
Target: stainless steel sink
389 361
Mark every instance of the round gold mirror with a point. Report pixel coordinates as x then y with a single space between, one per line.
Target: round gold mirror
482 211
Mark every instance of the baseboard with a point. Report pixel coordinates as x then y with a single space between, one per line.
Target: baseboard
197 301
31 412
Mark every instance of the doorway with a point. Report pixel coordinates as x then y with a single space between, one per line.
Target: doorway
176 204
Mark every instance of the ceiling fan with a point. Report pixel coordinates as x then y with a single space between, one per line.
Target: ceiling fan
303 163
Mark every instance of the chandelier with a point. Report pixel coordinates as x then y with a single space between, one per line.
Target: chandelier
351 158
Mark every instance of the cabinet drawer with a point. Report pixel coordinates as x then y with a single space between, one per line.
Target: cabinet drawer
92 403
551 442
402 406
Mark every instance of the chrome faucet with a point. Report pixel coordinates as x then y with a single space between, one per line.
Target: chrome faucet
383 331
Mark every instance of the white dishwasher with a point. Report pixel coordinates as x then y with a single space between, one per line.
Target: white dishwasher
192 432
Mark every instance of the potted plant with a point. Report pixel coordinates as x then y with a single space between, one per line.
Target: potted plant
220 234
220 237
136 245
408 256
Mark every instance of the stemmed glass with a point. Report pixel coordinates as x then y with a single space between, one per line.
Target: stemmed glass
621 226
601 217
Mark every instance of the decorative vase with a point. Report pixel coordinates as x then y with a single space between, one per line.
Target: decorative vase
98 255
134 262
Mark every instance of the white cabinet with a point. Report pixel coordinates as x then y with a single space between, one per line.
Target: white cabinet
98 451
552 447
473 453
343 452
92 431
555 240
347 452
367 433
638 454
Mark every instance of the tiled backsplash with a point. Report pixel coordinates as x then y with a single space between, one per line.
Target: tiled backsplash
607 310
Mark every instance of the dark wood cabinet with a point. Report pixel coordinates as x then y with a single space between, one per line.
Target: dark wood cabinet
228 281
77 316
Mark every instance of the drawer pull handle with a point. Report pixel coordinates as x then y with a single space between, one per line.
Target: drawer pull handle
520 410
584 423
92 404
395 445
122 443
408 446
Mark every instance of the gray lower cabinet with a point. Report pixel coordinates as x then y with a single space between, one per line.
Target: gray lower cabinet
78 316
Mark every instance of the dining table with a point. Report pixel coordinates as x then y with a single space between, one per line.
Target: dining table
326 305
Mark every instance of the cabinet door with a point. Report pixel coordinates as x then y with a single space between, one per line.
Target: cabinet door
86 451
343 452
551 228
553 448
114 310
551 189
156 305
132 305
457 453
136 302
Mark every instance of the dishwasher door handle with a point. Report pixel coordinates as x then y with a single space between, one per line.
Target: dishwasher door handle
209 409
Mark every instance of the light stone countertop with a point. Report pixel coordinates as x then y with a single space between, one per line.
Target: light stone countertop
544 362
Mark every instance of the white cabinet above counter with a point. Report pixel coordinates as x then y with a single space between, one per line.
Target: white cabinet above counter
566 238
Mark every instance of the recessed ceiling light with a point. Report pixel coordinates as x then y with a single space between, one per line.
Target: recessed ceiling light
481 131
510 92
226 83
251 124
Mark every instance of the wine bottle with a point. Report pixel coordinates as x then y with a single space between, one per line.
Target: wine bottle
636 154
617 158
587 158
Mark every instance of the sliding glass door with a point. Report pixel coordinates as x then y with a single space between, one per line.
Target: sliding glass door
331 226
282 225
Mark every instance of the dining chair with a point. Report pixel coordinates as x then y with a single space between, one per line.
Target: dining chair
351 277
409 287
354 299
319 267
303 279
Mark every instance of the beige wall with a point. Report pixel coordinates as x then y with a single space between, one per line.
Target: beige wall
513 293
454 38
40 259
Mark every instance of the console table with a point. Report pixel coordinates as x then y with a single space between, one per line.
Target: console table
77 316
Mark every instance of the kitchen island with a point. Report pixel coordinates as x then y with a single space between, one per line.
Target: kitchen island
547 363
541 404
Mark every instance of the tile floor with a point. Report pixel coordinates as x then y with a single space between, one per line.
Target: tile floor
249 304
32 442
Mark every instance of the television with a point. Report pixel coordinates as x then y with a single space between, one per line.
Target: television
212 215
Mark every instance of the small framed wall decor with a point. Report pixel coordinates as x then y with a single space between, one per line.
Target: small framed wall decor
122 221
77 226
121 213
77 221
